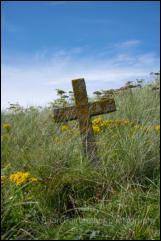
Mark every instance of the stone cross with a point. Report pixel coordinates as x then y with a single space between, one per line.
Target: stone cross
83 111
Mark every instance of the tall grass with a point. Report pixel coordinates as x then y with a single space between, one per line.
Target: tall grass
117 199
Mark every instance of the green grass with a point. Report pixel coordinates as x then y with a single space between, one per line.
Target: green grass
72 200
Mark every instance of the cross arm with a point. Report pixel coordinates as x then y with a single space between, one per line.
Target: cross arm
95 108
65 114
102 107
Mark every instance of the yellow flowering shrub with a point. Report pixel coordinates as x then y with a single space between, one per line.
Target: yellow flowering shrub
21 178
99 125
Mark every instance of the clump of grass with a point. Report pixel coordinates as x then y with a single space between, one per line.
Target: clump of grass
128 214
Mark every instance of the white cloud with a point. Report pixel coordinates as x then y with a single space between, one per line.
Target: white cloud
36 83
130 43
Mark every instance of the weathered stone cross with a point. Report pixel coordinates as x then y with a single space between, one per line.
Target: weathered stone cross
83 111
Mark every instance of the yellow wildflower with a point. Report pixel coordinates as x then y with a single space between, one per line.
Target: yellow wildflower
56 139
152 127
21 180
76 130
111 127
110 121
7 127
33 179
127 123
118 122
136 127
3 137
106 123
158 128
20 177
97 121
3 179
64 128
132 130
96 129
26 174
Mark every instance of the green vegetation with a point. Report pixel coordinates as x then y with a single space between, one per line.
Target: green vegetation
55 195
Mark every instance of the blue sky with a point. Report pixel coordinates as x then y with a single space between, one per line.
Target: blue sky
46 44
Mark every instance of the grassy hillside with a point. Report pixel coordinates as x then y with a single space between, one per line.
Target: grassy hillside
49 192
